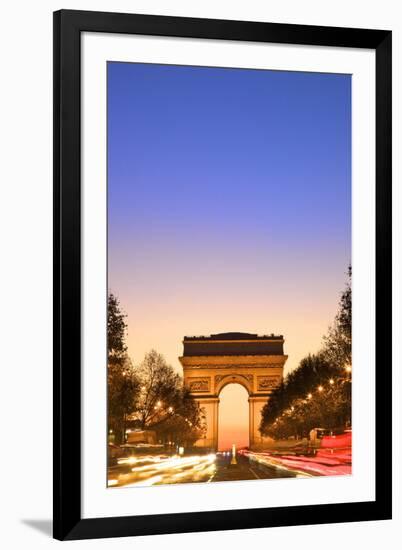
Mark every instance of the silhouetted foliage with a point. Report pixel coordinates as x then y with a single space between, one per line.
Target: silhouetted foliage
123 383
317 393
338 342
184 425
164 405
151 394
123 392
116 329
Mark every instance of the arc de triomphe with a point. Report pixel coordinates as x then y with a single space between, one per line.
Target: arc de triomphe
211 362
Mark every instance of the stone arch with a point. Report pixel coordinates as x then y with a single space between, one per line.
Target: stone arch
233 378
233 415
212 362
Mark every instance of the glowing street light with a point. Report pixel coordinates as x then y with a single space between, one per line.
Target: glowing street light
320 388
309 396
332 381
348 368
233 460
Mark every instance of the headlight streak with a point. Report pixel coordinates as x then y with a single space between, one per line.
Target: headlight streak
322 463
144 459
334 457
146 482
164 469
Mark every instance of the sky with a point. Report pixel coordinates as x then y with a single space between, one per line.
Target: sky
229 206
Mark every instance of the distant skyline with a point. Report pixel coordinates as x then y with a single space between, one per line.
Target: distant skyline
229 203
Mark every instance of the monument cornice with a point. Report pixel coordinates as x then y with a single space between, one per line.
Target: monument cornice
260 340
220 361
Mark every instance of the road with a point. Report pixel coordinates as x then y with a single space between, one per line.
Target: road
324 461
245 468
146 470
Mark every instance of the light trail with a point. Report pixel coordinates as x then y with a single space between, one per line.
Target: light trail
328 462
159 469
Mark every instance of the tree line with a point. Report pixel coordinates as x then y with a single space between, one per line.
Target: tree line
317 393
150 396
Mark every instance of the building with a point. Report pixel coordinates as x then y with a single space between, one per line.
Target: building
212 362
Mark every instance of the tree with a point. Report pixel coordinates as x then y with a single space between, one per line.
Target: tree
116 330
184 425
312 372
328 408
123 392
152 394
123 383
160 389
338 342
318 392
164 405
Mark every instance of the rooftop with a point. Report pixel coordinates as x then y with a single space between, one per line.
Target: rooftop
233 343
236 336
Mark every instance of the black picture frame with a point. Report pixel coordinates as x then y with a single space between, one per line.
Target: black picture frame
68 26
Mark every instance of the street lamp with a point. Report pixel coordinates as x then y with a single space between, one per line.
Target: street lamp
320 388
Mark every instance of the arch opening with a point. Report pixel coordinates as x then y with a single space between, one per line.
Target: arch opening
233 423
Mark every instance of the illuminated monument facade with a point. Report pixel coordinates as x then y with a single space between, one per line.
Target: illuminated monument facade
212 362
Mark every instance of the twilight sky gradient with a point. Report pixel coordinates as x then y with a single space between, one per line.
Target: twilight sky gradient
229 205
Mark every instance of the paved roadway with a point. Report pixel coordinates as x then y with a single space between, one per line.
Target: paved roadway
149 470
245 469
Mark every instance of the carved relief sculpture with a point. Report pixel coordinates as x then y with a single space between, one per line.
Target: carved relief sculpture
199 384
267 382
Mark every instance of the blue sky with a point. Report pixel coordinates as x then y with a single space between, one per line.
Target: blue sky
229 197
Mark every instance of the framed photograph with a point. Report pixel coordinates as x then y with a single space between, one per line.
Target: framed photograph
222 274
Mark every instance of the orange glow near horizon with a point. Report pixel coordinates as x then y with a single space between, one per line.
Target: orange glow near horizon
233 423
165 318
162 310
